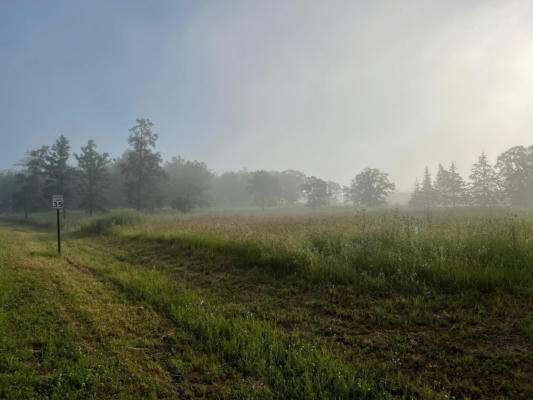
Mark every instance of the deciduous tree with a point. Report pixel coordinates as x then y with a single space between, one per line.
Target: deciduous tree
188 183
515 167
316 192
265 189
370 188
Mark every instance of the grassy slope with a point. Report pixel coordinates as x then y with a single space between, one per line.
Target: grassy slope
235 331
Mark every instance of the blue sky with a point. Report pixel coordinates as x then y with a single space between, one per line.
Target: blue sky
325 87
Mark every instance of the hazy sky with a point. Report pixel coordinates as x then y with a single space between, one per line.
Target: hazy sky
327 87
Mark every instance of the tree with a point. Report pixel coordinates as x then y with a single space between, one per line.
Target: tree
334 192
485 184
265 189
142 167
291 182
94 177
231 189
370 188
316 192
29 196
427 192
417 200
58 173
115 192
455 193
8 186
516 170
188 182
441 186
346 194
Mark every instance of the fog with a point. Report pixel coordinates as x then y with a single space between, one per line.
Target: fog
328 88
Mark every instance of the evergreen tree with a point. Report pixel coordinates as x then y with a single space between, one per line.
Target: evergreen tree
455 193
59 174
484 183
427 192
142 167
29 197
416 201
94 177
441 187
8 187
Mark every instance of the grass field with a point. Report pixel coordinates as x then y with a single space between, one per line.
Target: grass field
288 304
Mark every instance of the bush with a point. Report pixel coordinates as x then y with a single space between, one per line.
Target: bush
108 222
183 204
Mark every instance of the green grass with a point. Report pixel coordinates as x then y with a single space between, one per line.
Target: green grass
381 252
333 305
40 357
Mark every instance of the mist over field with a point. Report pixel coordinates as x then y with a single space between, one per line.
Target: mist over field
266 200
325 88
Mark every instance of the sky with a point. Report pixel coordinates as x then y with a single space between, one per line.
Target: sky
325 87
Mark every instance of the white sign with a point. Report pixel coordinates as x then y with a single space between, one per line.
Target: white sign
57 201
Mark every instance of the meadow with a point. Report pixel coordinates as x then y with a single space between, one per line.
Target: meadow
285 303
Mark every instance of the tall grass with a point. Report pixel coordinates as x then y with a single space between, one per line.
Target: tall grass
108 222
411 252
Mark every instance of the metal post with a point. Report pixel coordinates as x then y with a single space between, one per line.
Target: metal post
58 234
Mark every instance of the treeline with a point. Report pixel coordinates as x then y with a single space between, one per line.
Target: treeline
142 180
508 182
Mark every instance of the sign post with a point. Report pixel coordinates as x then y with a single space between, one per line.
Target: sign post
57 203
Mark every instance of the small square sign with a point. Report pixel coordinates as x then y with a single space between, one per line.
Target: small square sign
57 201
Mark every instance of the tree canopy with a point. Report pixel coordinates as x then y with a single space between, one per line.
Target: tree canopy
370 188
142 167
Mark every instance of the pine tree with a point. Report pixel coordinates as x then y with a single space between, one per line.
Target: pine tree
416 201
485 184
427 192
59 174
94 177
456 193
142 167
29 197
441 186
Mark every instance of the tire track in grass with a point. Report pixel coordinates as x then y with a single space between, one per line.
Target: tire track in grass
39 353
148 348
291 367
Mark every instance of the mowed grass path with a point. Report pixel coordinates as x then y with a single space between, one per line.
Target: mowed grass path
68 333
126 318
